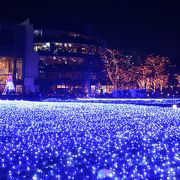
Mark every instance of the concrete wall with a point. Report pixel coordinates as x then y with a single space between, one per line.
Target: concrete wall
31 59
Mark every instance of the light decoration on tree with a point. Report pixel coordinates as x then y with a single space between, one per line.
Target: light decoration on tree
9 87
70 140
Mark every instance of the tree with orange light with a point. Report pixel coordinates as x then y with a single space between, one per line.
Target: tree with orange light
114 65
178 79
157 74
141 75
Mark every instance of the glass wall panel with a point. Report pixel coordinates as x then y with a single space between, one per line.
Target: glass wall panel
6 67
19 69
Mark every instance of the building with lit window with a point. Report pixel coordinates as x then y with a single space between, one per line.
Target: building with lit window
17 57
53 58
69 60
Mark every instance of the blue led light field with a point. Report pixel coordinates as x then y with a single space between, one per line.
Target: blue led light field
70 140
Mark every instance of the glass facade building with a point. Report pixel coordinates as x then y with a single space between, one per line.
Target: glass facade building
69 59
53 58
11 53
15 56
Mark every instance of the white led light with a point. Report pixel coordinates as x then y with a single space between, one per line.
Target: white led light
175 106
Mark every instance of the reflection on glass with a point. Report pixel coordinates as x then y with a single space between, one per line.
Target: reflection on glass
6 67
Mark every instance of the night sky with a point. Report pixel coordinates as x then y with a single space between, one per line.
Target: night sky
145 26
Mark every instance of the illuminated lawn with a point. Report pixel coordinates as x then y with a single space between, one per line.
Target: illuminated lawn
66 140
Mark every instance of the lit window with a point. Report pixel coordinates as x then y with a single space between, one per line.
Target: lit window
38 32
48 44
61 86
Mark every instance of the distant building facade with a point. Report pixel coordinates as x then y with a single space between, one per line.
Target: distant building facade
69 59
15 56
133 58
51 58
